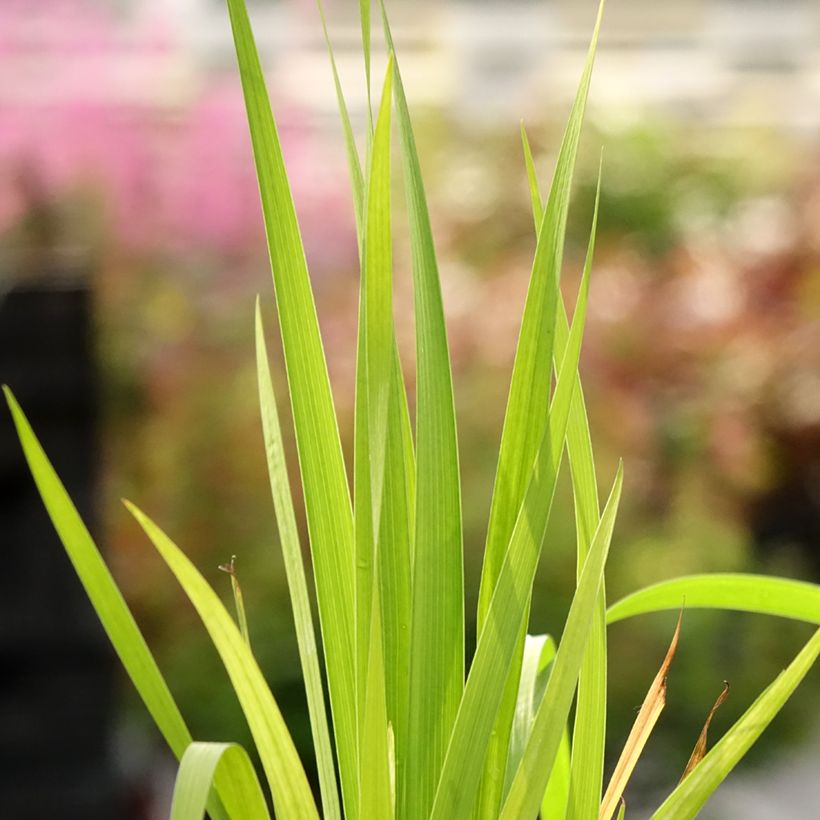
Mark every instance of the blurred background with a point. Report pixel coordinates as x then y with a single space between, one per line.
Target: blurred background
131 250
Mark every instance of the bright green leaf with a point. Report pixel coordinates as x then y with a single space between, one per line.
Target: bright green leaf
297 583
500 636
436 673
289 786
528 400
590 714
799 600
537 763
196 774
104 594
327 497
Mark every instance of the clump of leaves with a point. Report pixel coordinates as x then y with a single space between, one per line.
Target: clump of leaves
408 735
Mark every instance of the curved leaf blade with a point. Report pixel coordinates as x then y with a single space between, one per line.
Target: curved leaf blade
703 738
105 596
289 786
762 594
197 771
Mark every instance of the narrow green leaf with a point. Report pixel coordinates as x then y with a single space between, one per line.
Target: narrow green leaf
556 796
289 786
399 486
436 673
529 387
376 791
297 583
589 733
693 792
196 774
532 179
364 14
327 498
498 640
377 314
395 565
548 727
105 596
528 402
784 597
377 278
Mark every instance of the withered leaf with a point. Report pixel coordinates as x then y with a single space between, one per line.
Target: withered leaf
645 722
700 747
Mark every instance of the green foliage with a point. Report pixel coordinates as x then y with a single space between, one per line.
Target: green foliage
745 593
413 739
197 771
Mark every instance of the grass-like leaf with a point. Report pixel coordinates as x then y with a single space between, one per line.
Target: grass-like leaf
527 404
376 774
536 765
364 16
499 638
374 381
327 497
436 670
196 774
784 597
590 715
297 582
289 786
377 279
395 556
104 594
689 797
373 373
556 797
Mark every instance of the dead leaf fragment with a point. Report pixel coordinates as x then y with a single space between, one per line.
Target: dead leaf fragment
700 747
645 722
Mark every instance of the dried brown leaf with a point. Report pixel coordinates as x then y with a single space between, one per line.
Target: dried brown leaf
700 747
648 715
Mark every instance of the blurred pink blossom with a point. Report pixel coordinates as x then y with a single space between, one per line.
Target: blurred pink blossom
173 177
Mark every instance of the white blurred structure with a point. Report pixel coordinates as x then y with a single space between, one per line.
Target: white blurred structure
718 62
726 62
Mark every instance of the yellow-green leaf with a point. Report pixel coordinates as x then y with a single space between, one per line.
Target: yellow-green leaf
289 786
